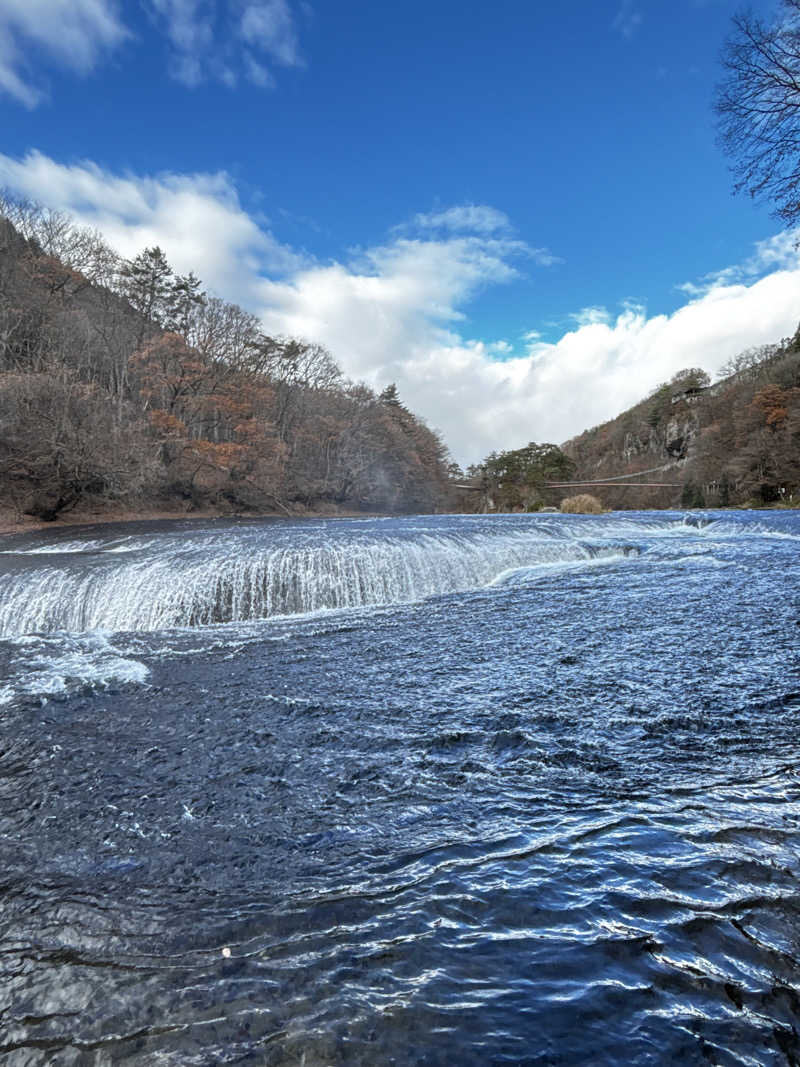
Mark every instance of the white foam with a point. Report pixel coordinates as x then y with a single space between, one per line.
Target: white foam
524 575
62 664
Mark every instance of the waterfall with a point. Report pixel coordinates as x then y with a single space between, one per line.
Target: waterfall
241 575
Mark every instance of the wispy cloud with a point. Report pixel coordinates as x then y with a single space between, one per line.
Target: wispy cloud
72 34
189 27
475 218
779 252
228 40
589 316
482 224
397 311
628 19
269 27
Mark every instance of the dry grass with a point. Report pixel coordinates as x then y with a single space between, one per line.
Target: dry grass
583 504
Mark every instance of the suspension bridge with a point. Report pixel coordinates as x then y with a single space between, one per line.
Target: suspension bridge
611 481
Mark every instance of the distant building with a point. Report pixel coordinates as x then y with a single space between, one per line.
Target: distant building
695 392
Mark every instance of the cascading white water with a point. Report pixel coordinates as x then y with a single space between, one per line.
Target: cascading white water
175 583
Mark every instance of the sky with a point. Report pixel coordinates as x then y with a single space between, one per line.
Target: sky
516 211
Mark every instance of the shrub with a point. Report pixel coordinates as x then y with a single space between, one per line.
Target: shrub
583 504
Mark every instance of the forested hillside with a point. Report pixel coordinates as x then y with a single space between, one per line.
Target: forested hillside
733 442
123 384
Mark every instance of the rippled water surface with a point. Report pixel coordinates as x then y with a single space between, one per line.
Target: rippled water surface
505 790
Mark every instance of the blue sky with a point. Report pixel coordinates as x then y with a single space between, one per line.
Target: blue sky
515 211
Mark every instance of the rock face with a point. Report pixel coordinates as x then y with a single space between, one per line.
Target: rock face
672 442
629 439
680 434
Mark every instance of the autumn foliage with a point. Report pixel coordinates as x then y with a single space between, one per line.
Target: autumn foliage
127 383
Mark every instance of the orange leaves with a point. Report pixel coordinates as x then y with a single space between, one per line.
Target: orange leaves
220 456
54 275
168 366
773 403
249 430
169 425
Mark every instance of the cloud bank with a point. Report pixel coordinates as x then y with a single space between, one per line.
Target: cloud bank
396 311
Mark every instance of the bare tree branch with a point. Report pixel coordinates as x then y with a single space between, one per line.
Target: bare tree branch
758 108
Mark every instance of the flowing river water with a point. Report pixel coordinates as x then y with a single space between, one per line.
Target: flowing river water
435 791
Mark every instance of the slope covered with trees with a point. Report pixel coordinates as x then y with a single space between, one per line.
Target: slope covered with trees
730 443
123 384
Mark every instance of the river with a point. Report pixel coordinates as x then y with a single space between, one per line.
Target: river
431 791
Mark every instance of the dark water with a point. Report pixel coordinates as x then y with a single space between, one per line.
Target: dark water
487 791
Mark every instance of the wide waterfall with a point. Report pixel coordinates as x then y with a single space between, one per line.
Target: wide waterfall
256 573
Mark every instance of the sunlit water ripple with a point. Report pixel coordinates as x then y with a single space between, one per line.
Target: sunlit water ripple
504 790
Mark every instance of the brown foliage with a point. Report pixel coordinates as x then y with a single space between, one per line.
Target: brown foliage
60 443
97 401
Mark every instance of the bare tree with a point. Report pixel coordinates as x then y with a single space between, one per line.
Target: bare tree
758 108
225 333
56 234
749 364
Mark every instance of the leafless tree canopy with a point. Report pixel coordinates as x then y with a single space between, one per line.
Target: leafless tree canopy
57 235
758 108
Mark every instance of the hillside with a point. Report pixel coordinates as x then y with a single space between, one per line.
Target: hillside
734 442
125 387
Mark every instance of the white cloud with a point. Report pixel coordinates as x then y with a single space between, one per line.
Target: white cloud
257 73
590 316
779 252
388 326
397 324
73 34
396 311
554 391
269 27
189 26
478 220
221 40
197 219
474 218
224 40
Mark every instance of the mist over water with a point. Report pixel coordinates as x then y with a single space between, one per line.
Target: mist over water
473 790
